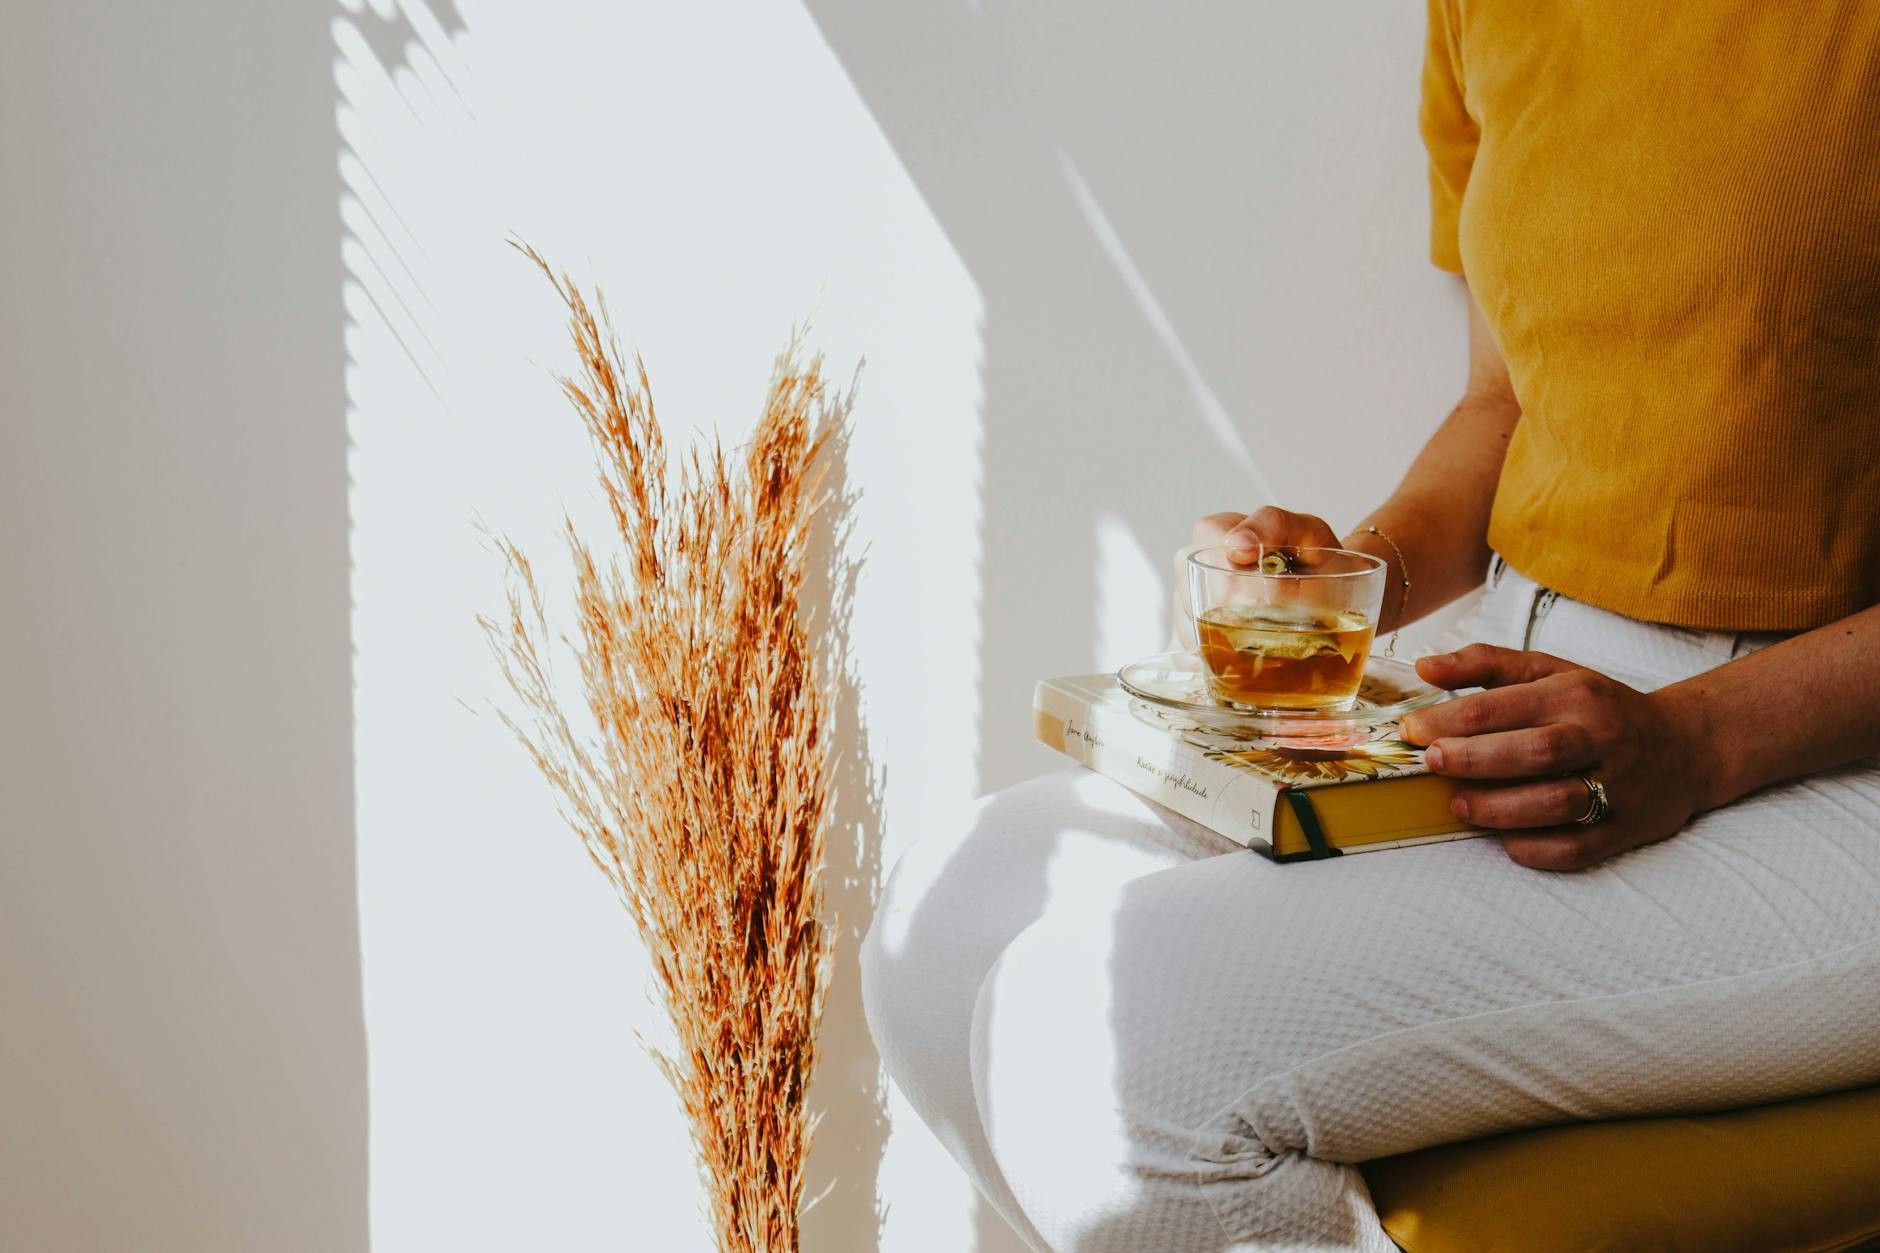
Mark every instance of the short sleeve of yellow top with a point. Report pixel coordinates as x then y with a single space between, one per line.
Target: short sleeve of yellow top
1669 214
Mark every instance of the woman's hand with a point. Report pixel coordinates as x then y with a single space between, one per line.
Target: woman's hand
1244 533
1541 724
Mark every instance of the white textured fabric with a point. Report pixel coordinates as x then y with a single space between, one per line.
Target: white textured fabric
1136 1036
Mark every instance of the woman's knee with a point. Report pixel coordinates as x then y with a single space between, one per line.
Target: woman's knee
1100 1078
961 892
950 905
1086 1127
905 975
879 1003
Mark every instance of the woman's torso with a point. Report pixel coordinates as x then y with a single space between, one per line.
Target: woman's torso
1671 221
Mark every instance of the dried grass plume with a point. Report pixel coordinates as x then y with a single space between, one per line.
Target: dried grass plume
699 777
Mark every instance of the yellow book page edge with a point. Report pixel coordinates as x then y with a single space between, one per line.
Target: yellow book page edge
1386 812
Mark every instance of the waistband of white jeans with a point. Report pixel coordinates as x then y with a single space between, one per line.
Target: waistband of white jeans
1558 623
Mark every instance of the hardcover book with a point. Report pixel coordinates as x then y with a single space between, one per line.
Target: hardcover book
1288 804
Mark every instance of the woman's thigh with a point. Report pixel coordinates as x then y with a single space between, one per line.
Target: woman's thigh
960 895
1190 1029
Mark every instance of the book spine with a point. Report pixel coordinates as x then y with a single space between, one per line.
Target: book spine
1159 765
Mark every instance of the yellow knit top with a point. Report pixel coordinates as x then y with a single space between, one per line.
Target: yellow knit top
1669 213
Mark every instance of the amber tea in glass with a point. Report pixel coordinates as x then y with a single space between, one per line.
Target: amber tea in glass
1291 631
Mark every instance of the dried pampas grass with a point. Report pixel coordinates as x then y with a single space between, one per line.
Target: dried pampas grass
703 792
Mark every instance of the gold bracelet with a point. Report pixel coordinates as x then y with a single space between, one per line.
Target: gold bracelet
1403 595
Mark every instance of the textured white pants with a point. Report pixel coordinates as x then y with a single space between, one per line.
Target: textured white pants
1136 1036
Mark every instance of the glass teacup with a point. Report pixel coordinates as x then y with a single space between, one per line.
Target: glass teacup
1290 631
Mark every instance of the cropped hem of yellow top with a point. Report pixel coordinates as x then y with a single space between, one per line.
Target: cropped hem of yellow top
1678 254
1724 609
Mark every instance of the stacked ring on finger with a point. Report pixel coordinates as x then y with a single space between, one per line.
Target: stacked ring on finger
1599 806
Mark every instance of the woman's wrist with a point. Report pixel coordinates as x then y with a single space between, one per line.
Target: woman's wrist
1412 543
1713 755
1375 541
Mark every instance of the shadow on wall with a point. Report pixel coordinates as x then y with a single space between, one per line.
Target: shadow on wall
848 1092
1198 233
182 1056
1185 223
1067 349
396 36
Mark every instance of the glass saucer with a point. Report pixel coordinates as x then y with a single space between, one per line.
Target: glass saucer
1176 693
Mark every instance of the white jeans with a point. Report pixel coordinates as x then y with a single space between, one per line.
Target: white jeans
1135 1036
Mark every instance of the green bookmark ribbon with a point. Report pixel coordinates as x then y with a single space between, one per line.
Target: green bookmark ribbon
1309 823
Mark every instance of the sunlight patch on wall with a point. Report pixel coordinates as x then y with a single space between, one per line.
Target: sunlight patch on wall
712 168
1132 596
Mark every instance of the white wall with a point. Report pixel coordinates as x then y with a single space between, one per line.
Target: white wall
1111 266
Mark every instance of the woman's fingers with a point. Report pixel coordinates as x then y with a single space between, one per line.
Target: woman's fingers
1573 849
1519 754
1485 665
1277 528
1211 530
1269 527
1478 713
1544 803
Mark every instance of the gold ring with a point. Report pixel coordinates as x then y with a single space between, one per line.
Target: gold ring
1599 807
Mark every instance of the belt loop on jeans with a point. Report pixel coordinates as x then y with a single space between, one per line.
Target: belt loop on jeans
1495 568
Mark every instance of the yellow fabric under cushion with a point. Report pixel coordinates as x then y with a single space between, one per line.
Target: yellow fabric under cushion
1803 1175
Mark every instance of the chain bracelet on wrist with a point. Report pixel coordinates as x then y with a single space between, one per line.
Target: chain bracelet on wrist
1403 594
